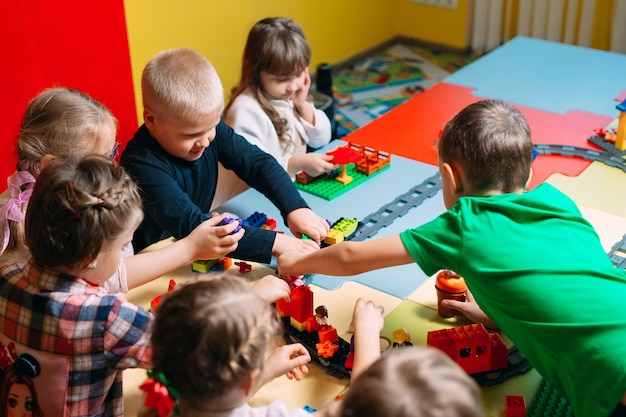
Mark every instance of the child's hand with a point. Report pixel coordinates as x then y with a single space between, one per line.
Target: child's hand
302 93
316 164
271 288
304 221
470 309
367 317
301 101
290 360
367 322
210 241
285 242
287 260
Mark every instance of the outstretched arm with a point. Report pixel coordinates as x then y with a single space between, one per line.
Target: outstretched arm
346 258
206 241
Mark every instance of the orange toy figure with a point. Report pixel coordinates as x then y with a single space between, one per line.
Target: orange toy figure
450 285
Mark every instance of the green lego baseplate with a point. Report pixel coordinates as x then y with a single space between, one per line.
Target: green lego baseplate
328 188
549 402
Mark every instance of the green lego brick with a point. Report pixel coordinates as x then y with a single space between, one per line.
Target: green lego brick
549 402
328 188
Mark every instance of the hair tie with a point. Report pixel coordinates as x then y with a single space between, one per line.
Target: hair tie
12 210
159 395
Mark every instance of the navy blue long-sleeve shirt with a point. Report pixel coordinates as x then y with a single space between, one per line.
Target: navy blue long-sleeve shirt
177 194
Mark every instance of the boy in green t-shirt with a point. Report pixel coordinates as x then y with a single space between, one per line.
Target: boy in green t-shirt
533 264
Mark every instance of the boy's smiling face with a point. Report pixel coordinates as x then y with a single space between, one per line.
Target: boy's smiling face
184 138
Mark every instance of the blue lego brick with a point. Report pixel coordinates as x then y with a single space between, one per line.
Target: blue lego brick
256 219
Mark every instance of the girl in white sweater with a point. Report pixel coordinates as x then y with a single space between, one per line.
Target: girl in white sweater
271 106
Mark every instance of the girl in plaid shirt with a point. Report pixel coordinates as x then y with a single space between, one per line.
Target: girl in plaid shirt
83 211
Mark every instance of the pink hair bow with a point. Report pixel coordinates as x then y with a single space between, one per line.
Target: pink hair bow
12 210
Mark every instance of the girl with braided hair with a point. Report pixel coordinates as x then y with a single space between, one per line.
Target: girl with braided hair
82 213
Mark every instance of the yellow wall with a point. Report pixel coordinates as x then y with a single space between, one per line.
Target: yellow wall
434 24
218 29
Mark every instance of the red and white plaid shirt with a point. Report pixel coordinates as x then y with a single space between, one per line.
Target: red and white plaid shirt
102 333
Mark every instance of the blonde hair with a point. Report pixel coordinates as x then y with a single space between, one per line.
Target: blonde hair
209 335
181 83
59 122
277 46
412 382
78 206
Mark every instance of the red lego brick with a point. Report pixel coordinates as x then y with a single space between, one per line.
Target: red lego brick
271 223
301 307
154 304
283 308
515 406
349 361
328 333
244 267
311 325
499 352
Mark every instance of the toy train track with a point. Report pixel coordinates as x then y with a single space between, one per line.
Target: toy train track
385 215
613 158
617 254
607 158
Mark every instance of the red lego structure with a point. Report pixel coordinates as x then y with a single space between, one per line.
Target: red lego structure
300 306
304 325
472 347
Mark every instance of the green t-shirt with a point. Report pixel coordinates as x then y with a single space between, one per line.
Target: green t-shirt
537 268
